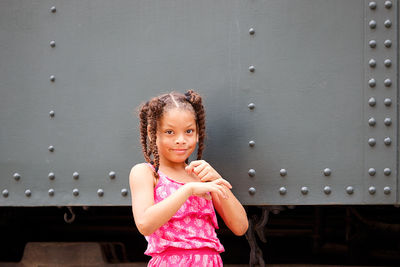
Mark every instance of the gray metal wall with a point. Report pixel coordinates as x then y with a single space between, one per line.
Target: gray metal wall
296 77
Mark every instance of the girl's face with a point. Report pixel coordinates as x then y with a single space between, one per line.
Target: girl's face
177 136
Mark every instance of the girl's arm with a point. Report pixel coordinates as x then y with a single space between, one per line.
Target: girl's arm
149 216
232 212
230 209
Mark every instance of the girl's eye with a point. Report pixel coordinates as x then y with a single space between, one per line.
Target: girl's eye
189 131
168 132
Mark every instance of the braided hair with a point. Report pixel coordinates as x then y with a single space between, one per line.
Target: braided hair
150 114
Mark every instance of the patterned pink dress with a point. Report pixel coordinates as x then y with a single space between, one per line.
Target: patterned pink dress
188 238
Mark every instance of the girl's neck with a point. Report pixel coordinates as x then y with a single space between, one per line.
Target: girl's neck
172 165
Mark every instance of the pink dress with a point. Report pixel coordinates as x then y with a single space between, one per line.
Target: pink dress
188 238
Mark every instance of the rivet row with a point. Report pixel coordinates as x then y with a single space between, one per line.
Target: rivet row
75 175
75 192
327 190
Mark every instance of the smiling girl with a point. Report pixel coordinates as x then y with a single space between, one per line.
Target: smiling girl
173 200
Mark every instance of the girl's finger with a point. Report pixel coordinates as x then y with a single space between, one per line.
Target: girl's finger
189 168
224 182
204 171
201 170
206 178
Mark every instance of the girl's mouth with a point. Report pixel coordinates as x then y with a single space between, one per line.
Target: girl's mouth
179 151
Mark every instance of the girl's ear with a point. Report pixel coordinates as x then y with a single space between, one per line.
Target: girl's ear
148 132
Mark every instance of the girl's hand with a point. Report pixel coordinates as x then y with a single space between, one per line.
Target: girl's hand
218 186
203 170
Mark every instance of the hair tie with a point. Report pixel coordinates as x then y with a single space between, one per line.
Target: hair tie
188 96
157 169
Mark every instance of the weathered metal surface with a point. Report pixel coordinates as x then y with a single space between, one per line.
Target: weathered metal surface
301 96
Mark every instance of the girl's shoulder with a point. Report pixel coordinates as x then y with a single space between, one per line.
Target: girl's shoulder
142 171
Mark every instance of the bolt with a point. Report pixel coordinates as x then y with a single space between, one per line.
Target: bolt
283 172
124 192
252 143
372 142
371 121
75 175
100 192
304 190
252 31
372 190
327 172
51 192
387 141
388 43
371 171
372 24
372 82
51 176
372 101
252 190
17 176
387 171
388 121
75 192
252 172
112 175
282 190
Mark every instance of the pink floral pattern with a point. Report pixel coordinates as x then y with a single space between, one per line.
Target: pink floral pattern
191 228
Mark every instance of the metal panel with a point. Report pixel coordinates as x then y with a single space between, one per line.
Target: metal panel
309 86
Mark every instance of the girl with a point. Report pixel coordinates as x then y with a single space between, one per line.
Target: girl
173 201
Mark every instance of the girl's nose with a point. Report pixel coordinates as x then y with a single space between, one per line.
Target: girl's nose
180 140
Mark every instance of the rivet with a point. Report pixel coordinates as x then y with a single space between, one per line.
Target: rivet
372 43
372 5
327 172
387 43
251 106
75 192
53 43
112 175
388 121
252 172
252 143
75 175
371 121
387 102
51 192
372 63
5 193
124 192
387 141
53 9
52 78
387 171
387 82
52 113
17 176
100 192
372 82
371 172
388 4
282 190
252 31
28 192
51 148
252 68
372 190
387 63
371 142
327 190
51 176
283 172
387 23
304 190
372 24
372 101
350 190
386 190
252 190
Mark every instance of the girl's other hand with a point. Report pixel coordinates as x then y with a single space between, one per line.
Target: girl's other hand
203 170
218 186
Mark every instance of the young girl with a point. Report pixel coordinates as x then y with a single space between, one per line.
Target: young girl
173 201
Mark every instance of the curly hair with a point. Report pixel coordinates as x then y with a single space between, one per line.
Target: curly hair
151 112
